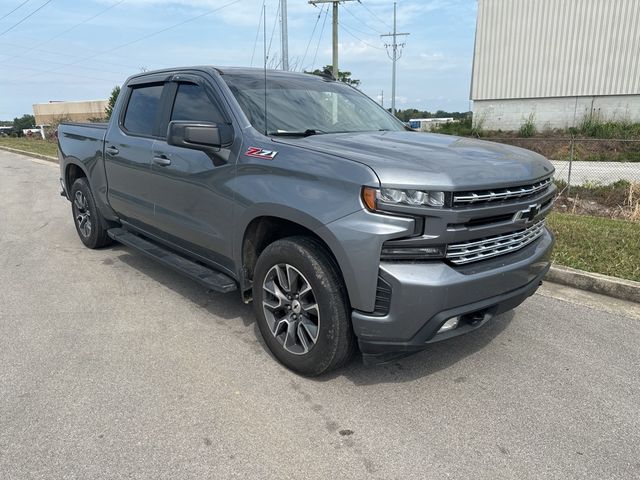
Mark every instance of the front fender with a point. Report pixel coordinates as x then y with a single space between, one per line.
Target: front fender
356 242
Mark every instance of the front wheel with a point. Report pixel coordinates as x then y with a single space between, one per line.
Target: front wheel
86 216
301 306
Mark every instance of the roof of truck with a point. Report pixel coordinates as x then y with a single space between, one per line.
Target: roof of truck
227 70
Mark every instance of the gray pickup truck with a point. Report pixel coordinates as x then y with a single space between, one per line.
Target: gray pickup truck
344 228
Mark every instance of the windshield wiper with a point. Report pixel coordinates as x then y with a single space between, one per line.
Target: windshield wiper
307 133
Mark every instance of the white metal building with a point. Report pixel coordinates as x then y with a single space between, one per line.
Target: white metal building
558 60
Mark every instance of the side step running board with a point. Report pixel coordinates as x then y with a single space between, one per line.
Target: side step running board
204 275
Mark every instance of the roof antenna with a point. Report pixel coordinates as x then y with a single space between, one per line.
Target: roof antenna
264 25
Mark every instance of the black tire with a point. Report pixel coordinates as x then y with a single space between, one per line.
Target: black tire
86 216
334 342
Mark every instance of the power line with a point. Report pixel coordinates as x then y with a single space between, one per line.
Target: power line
313 32
85 67
255 42
75 75
374 15
335 4
324 23
65 54
344 27
86 20
145 37
26 17
348 10
273 31
6 15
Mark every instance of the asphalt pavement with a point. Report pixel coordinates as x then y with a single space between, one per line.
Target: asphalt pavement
112 366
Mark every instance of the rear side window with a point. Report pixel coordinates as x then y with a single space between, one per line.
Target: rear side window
193 104
142 109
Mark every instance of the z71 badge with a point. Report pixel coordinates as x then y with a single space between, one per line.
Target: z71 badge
261 153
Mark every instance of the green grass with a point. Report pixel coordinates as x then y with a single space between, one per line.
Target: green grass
35 145
592 126
595 244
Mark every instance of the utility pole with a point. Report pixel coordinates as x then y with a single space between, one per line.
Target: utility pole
284 35
382 98
335 30
394 57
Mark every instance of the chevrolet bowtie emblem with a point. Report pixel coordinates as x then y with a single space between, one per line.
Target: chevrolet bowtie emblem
529 214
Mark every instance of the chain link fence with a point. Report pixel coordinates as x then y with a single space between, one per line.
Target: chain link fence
595 176
587 161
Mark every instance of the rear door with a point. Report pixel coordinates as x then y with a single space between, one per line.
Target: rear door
193 197
128 152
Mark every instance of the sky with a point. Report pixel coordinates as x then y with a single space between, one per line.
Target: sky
81 49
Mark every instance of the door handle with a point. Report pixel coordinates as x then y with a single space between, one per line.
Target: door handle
112 150
161 160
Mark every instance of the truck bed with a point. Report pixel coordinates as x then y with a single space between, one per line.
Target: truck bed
83 141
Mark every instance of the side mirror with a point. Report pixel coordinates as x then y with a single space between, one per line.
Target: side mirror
199 135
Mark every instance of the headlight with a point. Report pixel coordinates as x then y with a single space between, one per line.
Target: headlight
372 197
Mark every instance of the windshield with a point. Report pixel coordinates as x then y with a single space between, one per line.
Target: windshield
307 105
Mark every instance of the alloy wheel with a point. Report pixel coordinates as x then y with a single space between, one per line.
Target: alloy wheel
290 308
82 214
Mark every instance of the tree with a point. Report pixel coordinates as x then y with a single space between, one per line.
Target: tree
112 101
25 121
343 76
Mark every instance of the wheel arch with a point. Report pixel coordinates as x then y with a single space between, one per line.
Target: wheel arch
263 230
73 171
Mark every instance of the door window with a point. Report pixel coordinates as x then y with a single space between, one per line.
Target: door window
142 110
194 105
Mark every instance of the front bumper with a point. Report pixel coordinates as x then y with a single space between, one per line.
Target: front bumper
425 295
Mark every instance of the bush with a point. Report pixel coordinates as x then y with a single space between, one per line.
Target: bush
464 128
528 128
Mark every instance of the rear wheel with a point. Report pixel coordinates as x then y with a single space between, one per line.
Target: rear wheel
302 307
88 220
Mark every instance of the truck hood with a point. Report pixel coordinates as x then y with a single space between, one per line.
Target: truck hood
428 160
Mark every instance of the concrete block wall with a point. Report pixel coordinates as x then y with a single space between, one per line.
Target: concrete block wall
558 112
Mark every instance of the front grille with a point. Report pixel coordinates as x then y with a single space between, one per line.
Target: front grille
475 250
497 194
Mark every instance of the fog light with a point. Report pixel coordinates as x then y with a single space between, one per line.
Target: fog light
450 324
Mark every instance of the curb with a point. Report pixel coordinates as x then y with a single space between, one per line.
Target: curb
595 282
30 154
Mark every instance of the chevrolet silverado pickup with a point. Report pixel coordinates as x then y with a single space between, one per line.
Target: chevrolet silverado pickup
346 230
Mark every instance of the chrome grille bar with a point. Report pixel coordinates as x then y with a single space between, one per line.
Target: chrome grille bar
473 251
501 194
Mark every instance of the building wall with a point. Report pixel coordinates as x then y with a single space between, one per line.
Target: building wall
560 112
53 112
556 48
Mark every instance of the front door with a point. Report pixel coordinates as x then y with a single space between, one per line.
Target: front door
193 197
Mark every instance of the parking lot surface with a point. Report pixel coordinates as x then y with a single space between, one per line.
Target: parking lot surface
112 366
